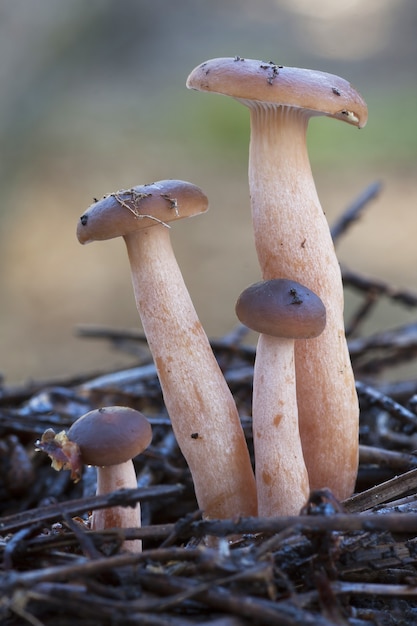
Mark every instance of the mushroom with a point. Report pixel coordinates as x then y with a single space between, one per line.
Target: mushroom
203 413
282 311
108 438
293 240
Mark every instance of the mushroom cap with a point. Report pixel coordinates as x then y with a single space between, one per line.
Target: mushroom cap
281 308
111 435
250 80
125 211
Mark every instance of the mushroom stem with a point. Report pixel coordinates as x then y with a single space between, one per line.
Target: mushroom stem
111 478
293 240
201 407
281 475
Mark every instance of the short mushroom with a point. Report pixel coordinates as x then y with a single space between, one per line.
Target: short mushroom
293 240
108 438
203 413
282 311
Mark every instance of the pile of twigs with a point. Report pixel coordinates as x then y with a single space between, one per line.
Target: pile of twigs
351 563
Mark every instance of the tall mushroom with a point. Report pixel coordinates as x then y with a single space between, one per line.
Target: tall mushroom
293 240
108 438
201 407
283 311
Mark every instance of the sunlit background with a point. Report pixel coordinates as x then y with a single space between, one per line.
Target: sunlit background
93 99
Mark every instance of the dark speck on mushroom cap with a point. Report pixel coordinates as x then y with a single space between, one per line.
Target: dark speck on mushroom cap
111 435
258 81
282 308
125 211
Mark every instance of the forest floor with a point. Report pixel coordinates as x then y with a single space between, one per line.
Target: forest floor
350 563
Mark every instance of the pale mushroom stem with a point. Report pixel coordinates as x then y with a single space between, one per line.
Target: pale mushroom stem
281 475
293 240
111 478
201 407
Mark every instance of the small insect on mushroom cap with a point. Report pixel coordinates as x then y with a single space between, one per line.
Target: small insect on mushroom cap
111 435
282 308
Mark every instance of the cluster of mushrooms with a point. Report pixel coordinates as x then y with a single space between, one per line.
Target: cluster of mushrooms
305 409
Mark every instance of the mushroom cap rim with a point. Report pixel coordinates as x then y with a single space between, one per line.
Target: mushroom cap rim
252 81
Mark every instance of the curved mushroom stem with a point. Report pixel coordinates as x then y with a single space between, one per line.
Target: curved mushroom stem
293 241
201 407
111 478
281 474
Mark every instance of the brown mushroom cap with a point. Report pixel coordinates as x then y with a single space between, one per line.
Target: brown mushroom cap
247 80
111 435
124 211
281 308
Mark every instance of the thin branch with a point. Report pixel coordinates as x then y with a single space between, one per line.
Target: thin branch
354 210
376 398
386 458
383 492
54 512
379 287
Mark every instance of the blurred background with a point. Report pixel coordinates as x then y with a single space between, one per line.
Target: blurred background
93 99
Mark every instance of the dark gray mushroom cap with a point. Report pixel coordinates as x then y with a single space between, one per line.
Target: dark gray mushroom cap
281 308
254 81
127 210
111 435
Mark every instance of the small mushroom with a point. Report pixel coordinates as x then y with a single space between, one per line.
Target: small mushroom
293 240
282 311
108 438
195 392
